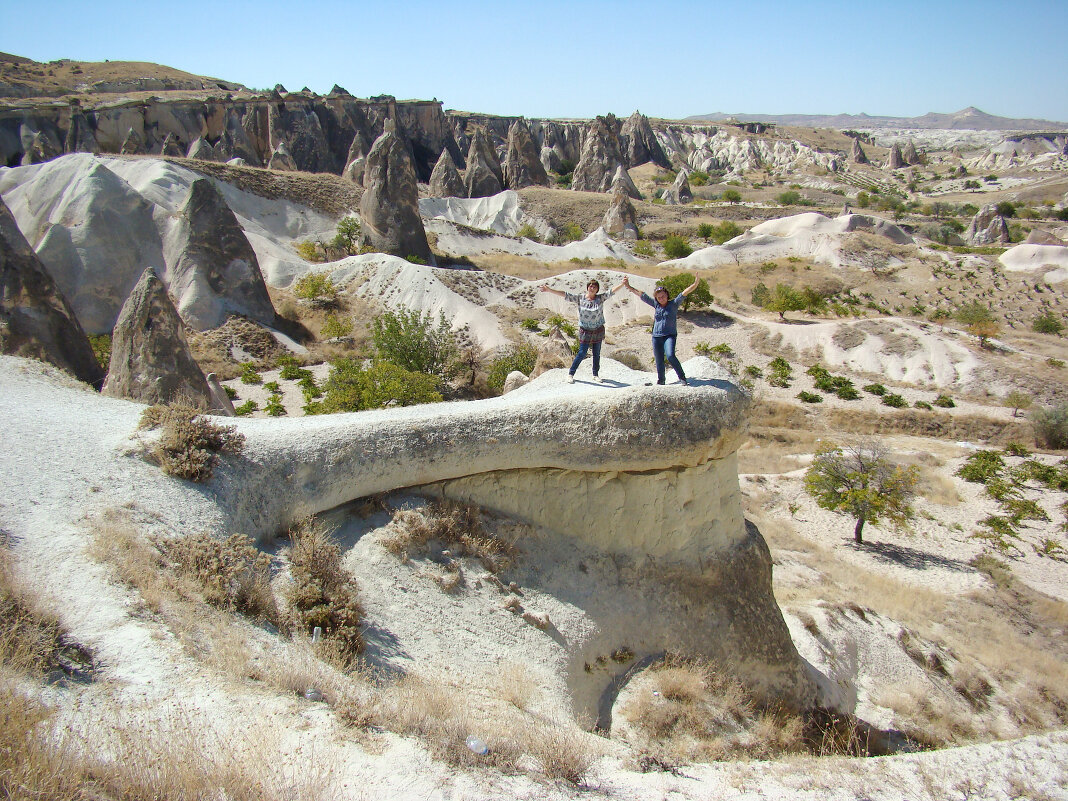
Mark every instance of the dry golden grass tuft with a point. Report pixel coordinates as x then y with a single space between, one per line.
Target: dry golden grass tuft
189 444
456 526
515 685
31 638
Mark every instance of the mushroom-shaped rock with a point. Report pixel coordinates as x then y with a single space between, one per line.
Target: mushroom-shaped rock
679 192
282 159
214 272
639 143
150 359
201 149
858 155
389 208
621 217
483 177
445 180
522 165
599 160
35 319
987 227
896 160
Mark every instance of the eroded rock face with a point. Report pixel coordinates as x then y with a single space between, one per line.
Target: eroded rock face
622 182
522 166
133 144
389 208
483 177
910 155
150 359
171 147
987 227
600 158
357 159
1039 237
621 219
640 144
858 155
679 192
35 319
200 149
281 159
896 160
213 271
445 181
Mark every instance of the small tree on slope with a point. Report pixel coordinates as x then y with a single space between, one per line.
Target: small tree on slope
859 481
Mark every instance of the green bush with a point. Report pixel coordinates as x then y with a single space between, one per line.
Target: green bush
249 374
530 324
231 393
753 371
336 327
292 372
643 247
944 402
315 286
809 397
875 389
760 295
518 357
731 196
246 408
922 405
351 388
528 231
894 401
1051 425
982 466
790 198
1047 323
698 178
189 443
677 247
101 344
570 233
781 372
411 340
700 298
272 386
274 405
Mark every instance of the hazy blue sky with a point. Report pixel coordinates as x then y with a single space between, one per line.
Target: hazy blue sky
585 57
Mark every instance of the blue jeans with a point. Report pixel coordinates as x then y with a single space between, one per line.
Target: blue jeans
584 348
664 350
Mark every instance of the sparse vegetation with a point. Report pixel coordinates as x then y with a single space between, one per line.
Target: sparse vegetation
316 287
677 246
1051 425
700 298
351 387
413 341
189 444
519 357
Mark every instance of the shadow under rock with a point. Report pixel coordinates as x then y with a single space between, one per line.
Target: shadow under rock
381 646
909 557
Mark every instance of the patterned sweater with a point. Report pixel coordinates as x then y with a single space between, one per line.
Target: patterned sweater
591 312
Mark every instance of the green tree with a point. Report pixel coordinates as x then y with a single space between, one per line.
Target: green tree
1005 208
335 327
863 200
1048 323
411 339
351 388
732 196
861 482
316 287
700 298
677 247
348 234
978 320
785 298
789 198
1017 400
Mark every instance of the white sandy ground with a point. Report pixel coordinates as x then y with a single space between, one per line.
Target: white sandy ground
1039 258
69 456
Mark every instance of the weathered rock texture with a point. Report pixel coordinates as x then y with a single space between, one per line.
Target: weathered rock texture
987 227
150 359
910 155
600 157
858 155
895 161
640 144
621 217
389 208
483 177
679 192
445 181
622 182
35 319
522 165
357 159
656 518
214 272
281 159
1040 237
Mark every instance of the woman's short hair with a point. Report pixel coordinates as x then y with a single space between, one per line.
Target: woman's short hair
593 282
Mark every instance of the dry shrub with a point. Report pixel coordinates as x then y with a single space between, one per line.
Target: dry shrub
136 563
321 592
455 525
234 574
515 685
562 752
189 444
30 638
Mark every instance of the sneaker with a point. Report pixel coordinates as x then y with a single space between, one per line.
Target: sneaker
570 378
684 381
597 380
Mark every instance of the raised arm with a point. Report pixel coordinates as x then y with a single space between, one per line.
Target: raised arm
691 287
546 288
626 285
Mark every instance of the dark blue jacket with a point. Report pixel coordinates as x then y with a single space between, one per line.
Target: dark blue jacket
664 316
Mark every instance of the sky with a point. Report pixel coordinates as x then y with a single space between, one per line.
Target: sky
671 59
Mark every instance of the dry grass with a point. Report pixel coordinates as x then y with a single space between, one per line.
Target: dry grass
189 444
31 638
457 527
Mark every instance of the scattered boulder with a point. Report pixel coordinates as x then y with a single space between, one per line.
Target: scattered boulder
389 208
282 159
987 227
910 155
554 353
599 160
133 144
621 217
35 319
895 161
150 359
483 177
445 180
201 149
515 380
639 143
237 162
214 272
622 182
858 155
679 192
522 165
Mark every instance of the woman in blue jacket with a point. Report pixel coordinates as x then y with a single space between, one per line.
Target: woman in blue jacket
665 331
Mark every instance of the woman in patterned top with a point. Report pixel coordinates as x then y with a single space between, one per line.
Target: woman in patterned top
591 324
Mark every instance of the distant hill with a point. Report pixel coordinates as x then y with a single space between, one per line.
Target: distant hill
970 118
24 78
